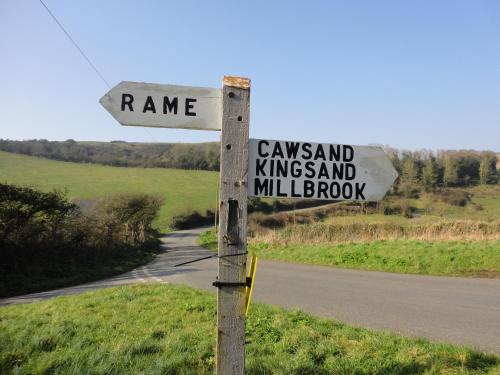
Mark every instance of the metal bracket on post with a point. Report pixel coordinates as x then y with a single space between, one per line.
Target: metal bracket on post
246 284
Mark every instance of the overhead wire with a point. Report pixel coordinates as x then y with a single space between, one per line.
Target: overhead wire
84 55
75 44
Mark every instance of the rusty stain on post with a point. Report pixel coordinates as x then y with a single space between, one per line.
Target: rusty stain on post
239 82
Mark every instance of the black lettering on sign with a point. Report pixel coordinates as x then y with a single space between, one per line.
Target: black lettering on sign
310 169
127 100
320 153
294 194
291 149
348 153
306 148
170 106
347 190
323 172
281 168
350 171
190 106
295 169
337 171
335 152
149 105
277 151
359 191
259 167
322 189
261 187
278 189
308 189
335 190
262 154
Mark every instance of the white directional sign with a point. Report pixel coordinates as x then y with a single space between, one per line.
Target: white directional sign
285 169
165 106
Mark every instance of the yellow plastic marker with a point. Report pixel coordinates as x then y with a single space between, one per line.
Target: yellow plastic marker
251 274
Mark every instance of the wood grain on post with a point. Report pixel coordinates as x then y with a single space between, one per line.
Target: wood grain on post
232 236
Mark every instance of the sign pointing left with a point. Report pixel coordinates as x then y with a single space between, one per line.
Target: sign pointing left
165 106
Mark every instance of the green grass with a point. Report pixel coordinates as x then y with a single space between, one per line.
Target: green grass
452 258
183 190
208 240
167 329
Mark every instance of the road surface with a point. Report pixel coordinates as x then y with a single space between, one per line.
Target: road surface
448 309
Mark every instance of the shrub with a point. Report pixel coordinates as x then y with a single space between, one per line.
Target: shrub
193 219
454 197
32 219
128 217
256 204
44 236
396 207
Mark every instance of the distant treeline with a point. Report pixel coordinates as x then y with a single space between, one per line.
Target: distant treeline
417 169
426 170
203 156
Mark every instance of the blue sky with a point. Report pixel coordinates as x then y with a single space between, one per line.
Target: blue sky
411 75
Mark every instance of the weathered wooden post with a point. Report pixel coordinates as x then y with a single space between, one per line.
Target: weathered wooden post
231 296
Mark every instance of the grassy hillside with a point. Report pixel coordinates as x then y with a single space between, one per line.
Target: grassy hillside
183 190
168 329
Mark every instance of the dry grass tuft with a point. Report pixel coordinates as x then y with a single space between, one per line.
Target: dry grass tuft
315 233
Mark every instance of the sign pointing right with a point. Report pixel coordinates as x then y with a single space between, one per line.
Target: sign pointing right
287 169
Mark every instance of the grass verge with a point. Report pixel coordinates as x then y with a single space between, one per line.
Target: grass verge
208 240
451 258
168 329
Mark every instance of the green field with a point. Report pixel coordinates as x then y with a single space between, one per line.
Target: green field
183 190
167 329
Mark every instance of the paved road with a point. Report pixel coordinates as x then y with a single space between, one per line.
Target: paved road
456 310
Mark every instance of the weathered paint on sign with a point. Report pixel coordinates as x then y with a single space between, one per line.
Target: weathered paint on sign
165 106
286 169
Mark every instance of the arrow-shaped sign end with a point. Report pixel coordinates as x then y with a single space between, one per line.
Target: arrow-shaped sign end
107 102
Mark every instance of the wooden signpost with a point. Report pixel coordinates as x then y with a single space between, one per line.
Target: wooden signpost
168 106
282 169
